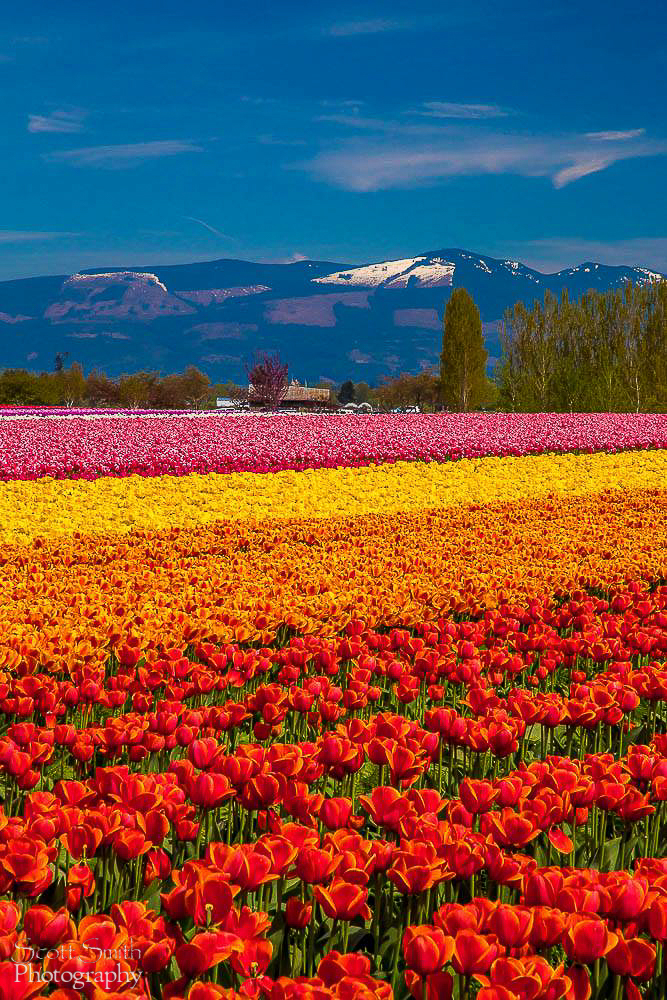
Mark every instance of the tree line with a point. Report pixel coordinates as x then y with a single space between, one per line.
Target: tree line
605 352
70 387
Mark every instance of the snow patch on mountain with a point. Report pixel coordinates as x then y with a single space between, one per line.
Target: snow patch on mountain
135 295
419 272
436 274
114 278
373 275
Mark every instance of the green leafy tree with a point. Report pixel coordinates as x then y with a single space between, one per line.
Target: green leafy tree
362 392
463 381
138 391
605 352
197 389
420 390
18 388
71 385
101 390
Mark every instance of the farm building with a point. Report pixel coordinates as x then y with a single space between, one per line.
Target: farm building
298 396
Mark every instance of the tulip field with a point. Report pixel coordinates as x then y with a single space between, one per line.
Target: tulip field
333 707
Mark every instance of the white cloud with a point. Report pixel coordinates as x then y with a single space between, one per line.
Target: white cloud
30 236
293 258
358 357
582 169
449 109
124 155
632 133
57 121
406 158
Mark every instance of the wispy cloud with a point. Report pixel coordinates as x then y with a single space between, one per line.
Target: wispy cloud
582 169
356 121
278 140
404 158
130 155
632 133
293 258
57 121
211 229
342 104
259 101
370 26
422 124
30 236
451 109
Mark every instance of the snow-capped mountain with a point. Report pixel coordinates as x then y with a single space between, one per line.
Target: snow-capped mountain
387 315
416 272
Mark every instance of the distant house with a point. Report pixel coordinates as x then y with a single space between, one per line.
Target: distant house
225 404
301 395
298 396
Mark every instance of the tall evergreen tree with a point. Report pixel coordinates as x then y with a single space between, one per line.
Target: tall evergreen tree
463 379
346 392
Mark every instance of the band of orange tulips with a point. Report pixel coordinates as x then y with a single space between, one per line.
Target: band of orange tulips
66 598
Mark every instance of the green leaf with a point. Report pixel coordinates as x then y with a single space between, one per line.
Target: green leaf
389 941
639 734
541 855
610 853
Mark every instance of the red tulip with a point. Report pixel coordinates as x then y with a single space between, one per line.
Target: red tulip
315 866
297 913
426 949
46 928
343 900
473 953
632 957
587 939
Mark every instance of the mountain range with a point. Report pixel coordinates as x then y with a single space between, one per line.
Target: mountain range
328 320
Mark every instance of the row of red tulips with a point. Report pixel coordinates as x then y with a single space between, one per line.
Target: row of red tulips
264 816
293 871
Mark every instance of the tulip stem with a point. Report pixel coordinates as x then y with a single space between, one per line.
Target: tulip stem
399 939
618 984
377 903
311 940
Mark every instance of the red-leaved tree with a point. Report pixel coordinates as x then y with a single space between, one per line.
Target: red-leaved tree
267 380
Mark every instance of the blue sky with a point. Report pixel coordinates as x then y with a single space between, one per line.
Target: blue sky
144 133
